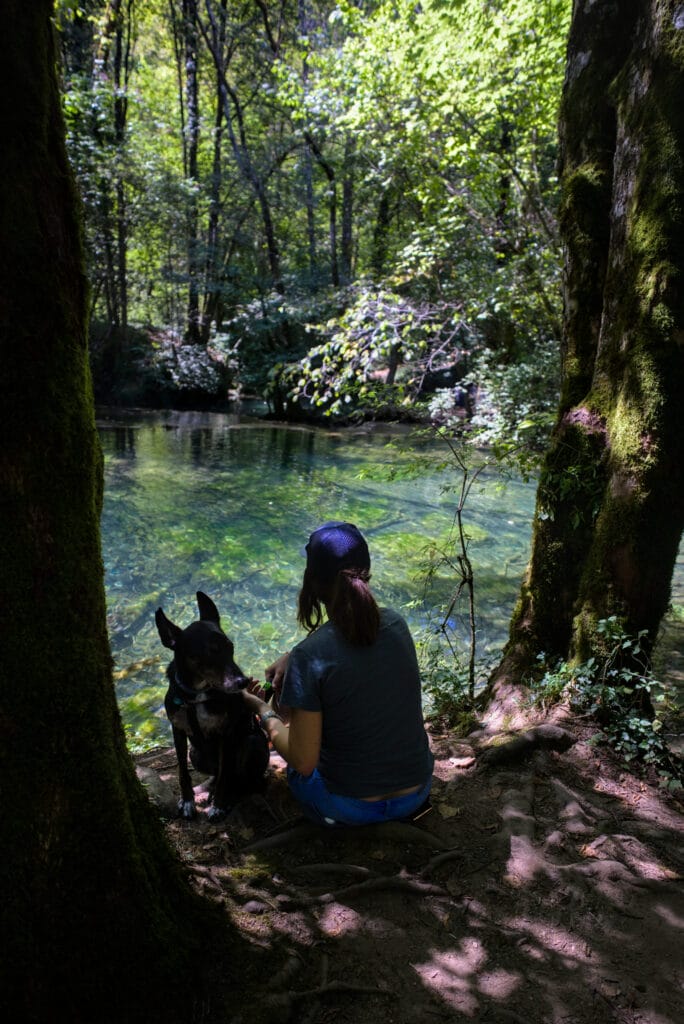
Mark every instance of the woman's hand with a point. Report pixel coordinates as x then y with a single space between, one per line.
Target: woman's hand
275 673
254 698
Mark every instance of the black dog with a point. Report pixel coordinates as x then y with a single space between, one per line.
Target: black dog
204 705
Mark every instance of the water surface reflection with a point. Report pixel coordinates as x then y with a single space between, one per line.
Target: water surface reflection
209 502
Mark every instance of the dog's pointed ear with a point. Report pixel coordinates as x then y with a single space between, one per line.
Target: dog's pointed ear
207 609
168 631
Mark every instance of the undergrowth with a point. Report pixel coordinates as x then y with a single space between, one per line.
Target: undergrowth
617 689
446 681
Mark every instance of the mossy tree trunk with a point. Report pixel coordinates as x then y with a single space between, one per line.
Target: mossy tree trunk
610 503
97 920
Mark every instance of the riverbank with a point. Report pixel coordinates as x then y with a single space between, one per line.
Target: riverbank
547 891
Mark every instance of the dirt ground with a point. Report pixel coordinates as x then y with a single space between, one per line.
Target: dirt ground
547 890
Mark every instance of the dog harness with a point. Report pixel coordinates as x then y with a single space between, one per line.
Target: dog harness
187 692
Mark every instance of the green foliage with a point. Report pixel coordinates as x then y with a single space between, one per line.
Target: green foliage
469 97
445 683
573 479
376 353
456 124
190 368
435 156
515 401
453 669
158 367
616 687
264 335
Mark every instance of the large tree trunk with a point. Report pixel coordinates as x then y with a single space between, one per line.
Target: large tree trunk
610 503
99 924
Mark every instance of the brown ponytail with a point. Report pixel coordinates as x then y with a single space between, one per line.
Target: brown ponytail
349 602
309 611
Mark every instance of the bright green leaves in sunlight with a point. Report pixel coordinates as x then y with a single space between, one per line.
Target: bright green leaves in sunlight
343 189
454 127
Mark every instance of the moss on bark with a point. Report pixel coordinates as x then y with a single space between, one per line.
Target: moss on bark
610 507
99 921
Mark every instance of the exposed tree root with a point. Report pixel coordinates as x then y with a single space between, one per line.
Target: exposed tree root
281 1004
290 834
383 882
540 737
441 858
393 830
288 998
329 868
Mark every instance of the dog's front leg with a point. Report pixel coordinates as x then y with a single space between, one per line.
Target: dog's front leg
220 803
186 804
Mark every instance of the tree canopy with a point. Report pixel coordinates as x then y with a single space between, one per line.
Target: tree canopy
251 172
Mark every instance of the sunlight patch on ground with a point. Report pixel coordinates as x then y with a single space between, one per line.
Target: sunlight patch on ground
499 984
338 920
451 974
552 940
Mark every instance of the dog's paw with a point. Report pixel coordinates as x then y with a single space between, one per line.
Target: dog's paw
217 813
186 809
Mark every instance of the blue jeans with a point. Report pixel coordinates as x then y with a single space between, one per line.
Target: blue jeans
326 808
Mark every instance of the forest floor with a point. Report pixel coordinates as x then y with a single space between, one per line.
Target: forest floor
547 890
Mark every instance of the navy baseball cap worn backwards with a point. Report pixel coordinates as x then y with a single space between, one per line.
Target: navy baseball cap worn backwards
335 546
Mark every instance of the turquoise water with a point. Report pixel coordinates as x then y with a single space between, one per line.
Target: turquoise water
197 501
209 502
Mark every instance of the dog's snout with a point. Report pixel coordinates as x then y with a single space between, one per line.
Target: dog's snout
233 681
238 682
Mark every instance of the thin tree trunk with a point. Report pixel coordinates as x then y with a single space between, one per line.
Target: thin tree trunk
212 303
329 172
113 66
122 54
310 212
347 247
178 47
305 25
189 21
235 124
380 234
502 242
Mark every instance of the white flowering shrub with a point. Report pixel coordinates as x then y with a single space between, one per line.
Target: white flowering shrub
190 368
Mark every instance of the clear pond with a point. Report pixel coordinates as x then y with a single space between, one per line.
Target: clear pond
197 501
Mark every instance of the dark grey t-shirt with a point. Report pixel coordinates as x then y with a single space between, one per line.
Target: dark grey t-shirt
374 740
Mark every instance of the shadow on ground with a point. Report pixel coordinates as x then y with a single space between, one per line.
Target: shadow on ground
546 893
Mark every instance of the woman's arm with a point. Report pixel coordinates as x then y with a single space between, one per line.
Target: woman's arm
299 743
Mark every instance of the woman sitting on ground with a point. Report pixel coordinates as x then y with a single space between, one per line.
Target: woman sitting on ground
356 746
